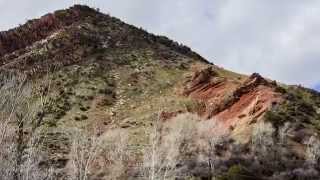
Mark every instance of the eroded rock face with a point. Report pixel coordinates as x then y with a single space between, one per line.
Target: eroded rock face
236 104
200 77
252 82
199 80
35 30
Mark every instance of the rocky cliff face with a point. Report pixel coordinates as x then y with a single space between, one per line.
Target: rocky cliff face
38 29
84 71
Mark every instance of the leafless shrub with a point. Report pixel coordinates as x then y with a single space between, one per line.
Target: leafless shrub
283 133
212 135
167 142
32 157
299 173
262 136
313 150
105 156
19 147
84 151
115 153
179 141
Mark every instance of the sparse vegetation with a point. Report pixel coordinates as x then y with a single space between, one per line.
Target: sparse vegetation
297 108
20 148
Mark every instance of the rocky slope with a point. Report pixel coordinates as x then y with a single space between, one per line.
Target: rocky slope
82 70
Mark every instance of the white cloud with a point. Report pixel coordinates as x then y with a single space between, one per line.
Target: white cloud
278 39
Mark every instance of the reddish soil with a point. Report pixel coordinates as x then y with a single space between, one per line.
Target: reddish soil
38 29
164 115
250 107
232 102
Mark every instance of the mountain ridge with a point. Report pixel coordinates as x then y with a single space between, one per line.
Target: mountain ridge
39 29
77 73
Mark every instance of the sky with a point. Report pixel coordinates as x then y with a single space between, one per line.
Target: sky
278 39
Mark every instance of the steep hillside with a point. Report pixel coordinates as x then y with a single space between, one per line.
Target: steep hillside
86 96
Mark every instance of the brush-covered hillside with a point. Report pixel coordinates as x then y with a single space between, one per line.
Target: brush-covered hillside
86 96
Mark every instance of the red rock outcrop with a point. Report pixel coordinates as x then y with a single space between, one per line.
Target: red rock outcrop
35 30
233 103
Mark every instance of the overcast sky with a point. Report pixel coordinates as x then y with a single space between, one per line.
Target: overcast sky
278 39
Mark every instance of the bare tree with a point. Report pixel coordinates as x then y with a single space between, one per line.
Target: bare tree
262 136
170 144
159 161
84 151
107 154
19 154
115 153
211 135
313 150
151 152
283 133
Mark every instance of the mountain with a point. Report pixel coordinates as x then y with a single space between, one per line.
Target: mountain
317 88
87 96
